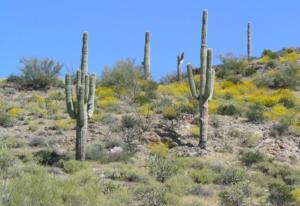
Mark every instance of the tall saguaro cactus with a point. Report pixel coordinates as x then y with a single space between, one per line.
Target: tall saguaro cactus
146 62
249 39
82 109
207 78
180 59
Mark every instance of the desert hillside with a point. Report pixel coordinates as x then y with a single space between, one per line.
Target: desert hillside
142 140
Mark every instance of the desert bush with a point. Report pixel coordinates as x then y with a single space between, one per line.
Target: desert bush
123 77
236 195
284 76
5 120
38 141
203 176
151 195
161 168
15 112
64 124
250 139
231 176
280 194
159 149
38 73
177 90
11 142
179 184
49 158
250 158
270 54
170 112
233 68
255 113
229 109
73 166
296 195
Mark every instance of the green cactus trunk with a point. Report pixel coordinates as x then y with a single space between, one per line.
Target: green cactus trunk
82 109
146 62
249 38
180 59
206 83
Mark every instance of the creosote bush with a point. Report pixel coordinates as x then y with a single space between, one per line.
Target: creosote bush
161 168
37 74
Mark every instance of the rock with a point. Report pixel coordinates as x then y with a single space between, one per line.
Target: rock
116 150
185 151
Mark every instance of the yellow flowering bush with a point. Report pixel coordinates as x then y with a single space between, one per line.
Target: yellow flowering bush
296 194
64 124
146 110
15 112
106 97
290 57
159 148
177 89
37 99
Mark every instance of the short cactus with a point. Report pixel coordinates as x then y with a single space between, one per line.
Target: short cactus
82 109
206 84
180 59
146 62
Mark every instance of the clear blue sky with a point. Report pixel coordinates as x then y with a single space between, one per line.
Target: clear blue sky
53 28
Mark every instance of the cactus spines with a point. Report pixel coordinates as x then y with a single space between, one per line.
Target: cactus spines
249 39
180 59
206 83
146 63
83 108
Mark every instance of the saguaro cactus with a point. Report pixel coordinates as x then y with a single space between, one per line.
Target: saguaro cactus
207 76
82 109
146 62
249 39
180 59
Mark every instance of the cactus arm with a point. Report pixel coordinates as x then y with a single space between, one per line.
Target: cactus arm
69 97
78 82
191 81
209 76
81 107
212 84
86 88
91 100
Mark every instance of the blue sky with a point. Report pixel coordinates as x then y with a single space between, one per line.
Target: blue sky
53 28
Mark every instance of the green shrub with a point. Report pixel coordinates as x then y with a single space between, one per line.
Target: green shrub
255 113
50 158
11 142
73 166
284 76
38 142
250 158
123 77
270 54
151 195
161 168
227 110
170 112
5 120
231 176
203 176
38 73
280 194
236 195
179 184
233 69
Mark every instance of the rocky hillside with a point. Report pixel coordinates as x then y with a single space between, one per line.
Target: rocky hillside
142 140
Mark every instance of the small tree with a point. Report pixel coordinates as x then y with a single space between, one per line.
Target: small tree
40 73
